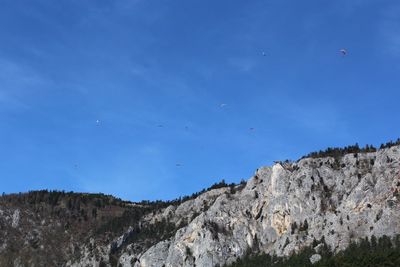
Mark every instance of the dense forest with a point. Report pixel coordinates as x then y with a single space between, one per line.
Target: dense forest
74 200
371 252
105 213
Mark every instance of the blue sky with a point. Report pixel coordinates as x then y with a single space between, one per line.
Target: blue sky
137 64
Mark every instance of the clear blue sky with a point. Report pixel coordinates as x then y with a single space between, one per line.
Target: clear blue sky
137 64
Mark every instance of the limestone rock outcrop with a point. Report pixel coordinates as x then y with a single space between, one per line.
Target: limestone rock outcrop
284 208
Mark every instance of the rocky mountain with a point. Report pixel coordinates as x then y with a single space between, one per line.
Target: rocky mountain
337 196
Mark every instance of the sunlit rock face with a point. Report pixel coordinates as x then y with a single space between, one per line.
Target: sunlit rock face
280 210
285 207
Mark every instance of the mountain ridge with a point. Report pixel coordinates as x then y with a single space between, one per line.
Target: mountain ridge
280 210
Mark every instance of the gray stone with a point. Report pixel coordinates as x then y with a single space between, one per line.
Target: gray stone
315 258
282 209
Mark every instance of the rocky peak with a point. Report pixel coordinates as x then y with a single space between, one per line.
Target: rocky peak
286 207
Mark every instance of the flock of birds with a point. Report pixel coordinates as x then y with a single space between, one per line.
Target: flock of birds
342 51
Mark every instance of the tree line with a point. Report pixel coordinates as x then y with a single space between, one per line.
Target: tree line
377 252
338 152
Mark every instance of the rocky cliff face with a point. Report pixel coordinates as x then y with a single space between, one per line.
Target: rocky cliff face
284 207
280 210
